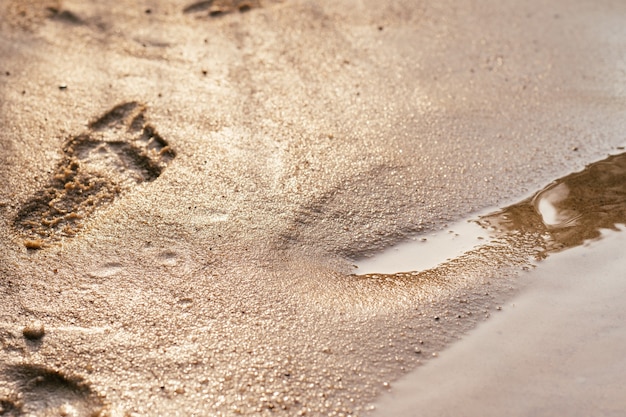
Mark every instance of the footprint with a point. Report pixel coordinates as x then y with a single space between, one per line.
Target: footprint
119 150
38 390
216 8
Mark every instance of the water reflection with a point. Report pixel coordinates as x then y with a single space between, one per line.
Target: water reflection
572 209
565 214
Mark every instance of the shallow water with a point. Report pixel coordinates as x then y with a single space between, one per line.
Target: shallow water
572 209
566 213
558 348
426 251
555 349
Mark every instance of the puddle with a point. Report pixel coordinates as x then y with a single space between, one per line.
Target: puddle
426 251
565 214
572 209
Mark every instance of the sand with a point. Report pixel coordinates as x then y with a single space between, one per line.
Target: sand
555 349
186 186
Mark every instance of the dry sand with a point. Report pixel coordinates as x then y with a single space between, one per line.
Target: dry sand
184 188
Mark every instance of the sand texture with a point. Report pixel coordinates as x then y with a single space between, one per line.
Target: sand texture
555 349
185 186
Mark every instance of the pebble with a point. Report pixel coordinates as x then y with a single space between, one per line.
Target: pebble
34 330
33 244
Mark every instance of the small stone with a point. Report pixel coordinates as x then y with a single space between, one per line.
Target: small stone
33 244
34 330
67 410
63 87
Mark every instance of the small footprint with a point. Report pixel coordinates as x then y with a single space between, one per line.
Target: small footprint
119 150
38 390
216 8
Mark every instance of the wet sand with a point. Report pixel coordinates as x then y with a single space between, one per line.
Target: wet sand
555 349
185 187
558 347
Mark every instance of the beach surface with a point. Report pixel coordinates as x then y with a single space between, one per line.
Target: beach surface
555 349
186 187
